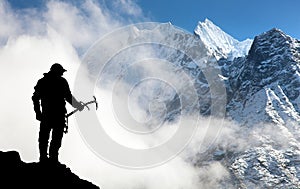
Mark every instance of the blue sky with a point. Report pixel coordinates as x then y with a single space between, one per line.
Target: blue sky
240 18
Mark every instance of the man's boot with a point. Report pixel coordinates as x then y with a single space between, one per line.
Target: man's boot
53 156
43 158
43 153
55 144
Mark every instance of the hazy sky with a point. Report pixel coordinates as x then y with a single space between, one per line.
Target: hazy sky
240 18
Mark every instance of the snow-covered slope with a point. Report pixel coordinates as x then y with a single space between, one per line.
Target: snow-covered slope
268 81
220 43
264 88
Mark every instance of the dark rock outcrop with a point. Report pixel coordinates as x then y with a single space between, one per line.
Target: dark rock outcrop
15 173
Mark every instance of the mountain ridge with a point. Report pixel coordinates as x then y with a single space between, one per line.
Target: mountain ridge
262 90
270 64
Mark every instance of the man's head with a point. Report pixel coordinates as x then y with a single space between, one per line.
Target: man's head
57 69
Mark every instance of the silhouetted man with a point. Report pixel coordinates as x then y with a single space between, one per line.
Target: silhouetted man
52 91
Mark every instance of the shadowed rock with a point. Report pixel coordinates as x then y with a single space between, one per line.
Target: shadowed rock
15 173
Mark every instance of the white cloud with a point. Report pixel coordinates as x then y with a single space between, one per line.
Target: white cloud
128 7
7 16
80 25
32 40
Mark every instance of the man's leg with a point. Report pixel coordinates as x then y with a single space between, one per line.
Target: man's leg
55 144
43 140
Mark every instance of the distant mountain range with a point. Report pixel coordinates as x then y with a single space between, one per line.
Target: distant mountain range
262 82
262 86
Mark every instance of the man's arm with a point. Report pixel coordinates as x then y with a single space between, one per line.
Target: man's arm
71 99
36 102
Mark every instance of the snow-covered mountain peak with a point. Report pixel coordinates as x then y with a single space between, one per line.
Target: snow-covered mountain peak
270 44
275 32
272 38
221 44
270 72
209 23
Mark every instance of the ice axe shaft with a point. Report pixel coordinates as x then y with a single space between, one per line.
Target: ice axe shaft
86 105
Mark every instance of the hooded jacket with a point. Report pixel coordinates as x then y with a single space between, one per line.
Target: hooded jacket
52 91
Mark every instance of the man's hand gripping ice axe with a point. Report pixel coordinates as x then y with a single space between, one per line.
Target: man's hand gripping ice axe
76 110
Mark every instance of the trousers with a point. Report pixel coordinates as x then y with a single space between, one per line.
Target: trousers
56 128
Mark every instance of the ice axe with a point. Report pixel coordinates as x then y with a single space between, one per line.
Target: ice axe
74 111
85 105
